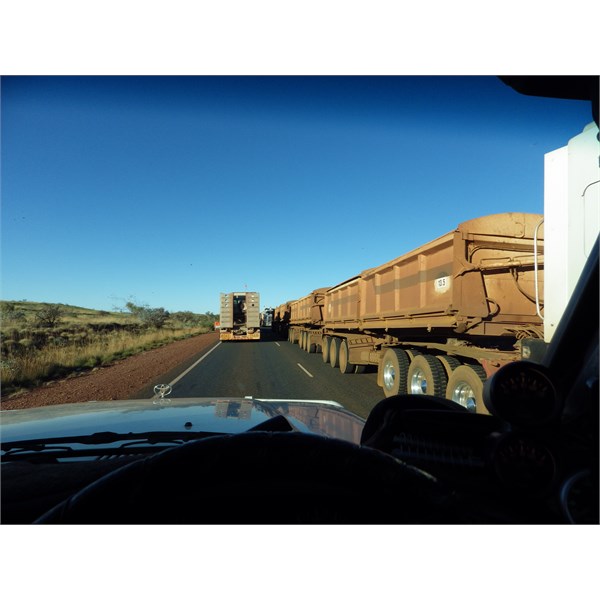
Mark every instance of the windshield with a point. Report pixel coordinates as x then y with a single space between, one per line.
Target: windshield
122 186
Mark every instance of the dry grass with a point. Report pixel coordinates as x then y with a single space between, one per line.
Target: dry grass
33 367
83 339
71 316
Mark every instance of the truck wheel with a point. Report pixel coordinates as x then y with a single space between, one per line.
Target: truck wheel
360 368
394 366
303 340
345 365
412 352
426 375
311 347
450 363
325 346
465 387
334 352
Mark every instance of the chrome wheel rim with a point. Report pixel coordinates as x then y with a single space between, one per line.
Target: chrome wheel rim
464 395
418 382
389 376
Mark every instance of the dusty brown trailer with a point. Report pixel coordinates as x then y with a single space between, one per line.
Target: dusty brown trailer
439 319
307 316
281 319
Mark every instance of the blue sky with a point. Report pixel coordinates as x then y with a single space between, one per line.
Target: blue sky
167 191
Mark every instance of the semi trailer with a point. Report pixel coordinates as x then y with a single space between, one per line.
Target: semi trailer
444 317
240 316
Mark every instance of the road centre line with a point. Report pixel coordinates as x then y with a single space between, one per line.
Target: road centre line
194 365
277 344
309 374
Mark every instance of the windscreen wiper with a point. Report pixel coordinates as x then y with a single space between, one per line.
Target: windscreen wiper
110 444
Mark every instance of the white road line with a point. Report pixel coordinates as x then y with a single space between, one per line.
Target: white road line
193 366
305 370
277 344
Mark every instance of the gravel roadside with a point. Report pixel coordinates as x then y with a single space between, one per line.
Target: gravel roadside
118 381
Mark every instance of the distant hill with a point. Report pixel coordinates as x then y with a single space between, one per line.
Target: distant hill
18 313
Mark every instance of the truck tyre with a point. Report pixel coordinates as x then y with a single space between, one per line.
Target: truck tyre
303 340
345 365
450 363
465 387
311 347
426 375
412 352
394 370
326 345
334 352
360 368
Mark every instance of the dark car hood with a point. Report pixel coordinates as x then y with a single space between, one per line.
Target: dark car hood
222 415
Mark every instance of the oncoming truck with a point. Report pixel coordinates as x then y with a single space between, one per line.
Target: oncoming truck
240 316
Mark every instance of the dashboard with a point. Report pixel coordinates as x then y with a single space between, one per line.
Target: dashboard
525 462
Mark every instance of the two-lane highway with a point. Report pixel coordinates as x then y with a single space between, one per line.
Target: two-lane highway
272 368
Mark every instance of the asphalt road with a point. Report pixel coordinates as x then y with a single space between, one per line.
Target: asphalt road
272 368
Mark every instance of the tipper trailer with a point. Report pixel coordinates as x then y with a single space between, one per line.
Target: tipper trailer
443 318
436 320
240 316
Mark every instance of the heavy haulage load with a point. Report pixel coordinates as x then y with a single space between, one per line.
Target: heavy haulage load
438 320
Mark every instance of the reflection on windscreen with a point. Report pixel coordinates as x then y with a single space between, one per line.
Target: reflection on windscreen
233 409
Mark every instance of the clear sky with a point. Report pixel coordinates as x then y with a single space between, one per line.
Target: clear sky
168 190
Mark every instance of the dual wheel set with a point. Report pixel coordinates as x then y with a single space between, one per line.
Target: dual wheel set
412 372
407 371
334 350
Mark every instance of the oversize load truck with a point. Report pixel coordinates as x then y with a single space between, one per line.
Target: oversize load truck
240 316
441 319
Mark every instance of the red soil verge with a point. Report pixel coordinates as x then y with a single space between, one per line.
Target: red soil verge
117 381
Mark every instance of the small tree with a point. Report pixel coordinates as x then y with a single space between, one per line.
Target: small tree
185 317
152 317
155 317
49 316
